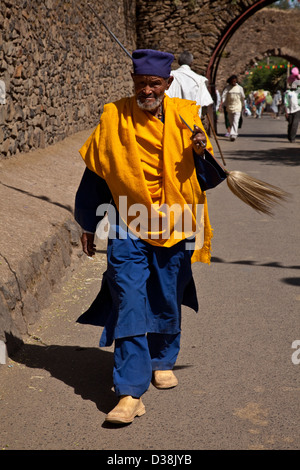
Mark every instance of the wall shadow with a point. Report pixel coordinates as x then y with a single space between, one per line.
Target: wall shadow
43 198
287 156
269 137
292 281
273 264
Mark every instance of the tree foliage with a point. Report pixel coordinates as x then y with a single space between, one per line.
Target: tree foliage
267 75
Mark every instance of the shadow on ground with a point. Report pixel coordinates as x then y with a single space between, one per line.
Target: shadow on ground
43 198
292 281
272 264
87 370
288 156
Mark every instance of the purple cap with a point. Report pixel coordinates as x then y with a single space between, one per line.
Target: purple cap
151 62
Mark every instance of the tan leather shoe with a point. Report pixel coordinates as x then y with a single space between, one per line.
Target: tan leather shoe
164 379
126 410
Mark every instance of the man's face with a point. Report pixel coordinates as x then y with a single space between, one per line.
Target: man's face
149 90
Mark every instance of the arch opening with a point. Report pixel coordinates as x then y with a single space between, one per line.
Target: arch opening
213 65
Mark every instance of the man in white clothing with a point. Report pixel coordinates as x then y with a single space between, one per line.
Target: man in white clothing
233 98
292 109
189 85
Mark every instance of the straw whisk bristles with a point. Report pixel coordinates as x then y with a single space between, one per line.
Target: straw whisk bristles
259 195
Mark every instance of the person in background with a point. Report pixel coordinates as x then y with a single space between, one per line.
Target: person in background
247 109
275 106
292 109
259 102
295 75
188 85
233 98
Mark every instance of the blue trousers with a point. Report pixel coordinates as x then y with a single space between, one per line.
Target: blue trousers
136 357
139 305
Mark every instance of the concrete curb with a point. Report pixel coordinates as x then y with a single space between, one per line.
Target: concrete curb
41 240
26 290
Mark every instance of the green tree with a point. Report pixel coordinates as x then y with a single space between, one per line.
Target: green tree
267 77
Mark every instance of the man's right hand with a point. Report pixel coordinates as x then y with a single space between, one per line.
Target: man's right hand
87 241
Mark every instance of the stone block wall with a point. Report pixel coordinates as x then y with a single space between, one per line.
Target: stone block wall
194 25
59 66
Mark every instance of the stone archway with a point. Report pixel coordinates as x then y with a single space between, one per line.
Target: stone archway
260 36
227 35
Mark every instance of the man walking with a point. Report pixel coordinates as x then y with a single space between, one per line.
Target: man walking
233 99
189 85
292 109
140 162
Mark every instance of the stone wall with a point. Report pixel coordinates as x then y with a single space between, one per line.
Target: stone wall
59 66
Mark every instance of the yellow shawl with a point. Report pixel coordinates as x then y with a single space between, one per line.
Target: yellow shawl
115 150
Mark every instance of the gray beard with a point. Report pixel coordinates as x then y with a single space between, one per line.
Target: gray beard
150 107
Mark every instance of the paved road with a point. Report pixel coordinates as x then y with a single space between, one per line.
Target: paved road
239 376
